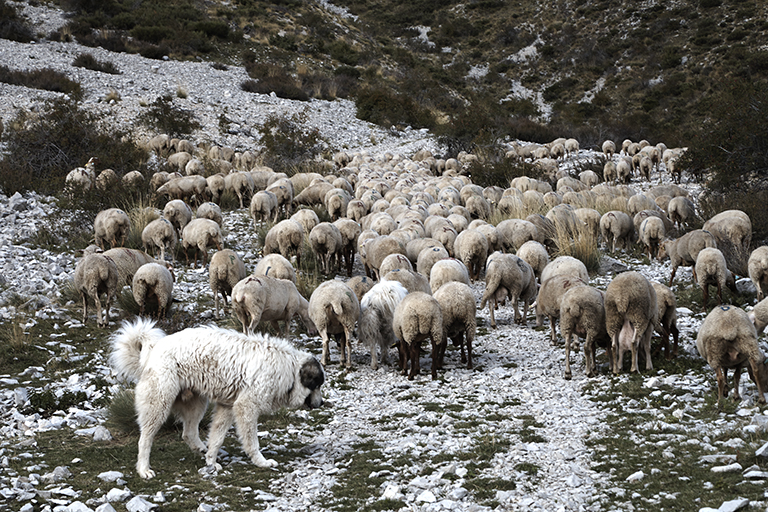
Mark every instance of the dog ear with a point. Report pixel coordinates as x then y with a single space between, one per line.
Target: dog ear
311 374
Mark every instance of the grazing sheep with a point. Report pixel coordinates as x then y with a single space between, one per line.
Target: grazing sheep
96 274
111 225
565 265
379 248
610 173
275 265
733 231
623 170
651 234
728 340
471 248
667 303
286 238
334 308
185 187
241 184
428 257
210 211
283 190
307 218
225 271
133 180
640 216
680 211
413 281
507 275
515 232
262 298
685 250
445 271
550 297
377 309
616 226
416 318
336 202
178 213
457 305
609 148
215 187
349 231
263 207
81 179
582 312
711 269
106 179
535 255
356 210
631 314
128 262
361 285
759 316
325 240
200 234
395 261
758 270
153 282
160 233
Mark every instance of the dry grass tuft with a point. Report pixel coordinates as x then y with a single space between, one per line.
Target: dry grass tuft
578 242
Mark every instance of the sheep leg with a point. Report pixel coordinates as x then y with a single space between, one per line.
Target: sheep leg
324 336
436 349
460 342
722 390
736 383
672 276
675 335
706 296
491 307
646 340
567 337
719 293
85 307
470 338
756 372
552 333
97 300
402 354
515 302
415 349
618 352
348 344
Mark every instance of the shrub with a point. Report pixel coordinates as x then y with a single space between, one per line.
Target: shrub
163 116
47 79
11 26
500 173
752 202
385 108
283 87
288 141
88 61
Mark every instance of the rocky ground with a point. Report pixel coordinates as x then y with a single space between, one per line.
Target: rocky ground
511 434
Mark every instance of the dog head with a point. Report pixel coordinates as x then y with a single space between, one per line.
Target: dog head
312 377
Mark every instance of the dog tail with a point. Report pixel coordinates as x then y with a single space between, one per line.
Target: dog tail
127 345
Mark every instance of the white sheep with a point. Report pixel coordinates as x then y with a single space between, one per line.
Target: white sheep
447 270
133 180
733 231
535 255
185 187
757 267
96 274
623 170
111 225
457 305
616 227
377 309
759 316
161 234
680 211
507 275
631 315
582 313
128 262
283 190
239 183
215 187
153 282
349 231
413 281
307 218
651 234
334 308
81 179
225 271
285 237
565 266
263 207
684 250
418 317
711 269
262 298
610 173
361 285
210 211
667 304
336 202
550 297
376 249
393 262
471 248
277 266
515 232
728 340
325 240
609 148
200 234
106 179
178 213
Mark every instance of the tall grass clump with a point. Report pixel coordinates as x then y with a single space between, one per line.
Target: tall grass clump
47 79
579 242
88 61
12 27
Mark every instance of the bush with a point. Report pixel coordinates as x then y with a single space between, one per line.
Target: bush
283 87
165 117
752 202
47 79
385 108
288 141
11 26
88 61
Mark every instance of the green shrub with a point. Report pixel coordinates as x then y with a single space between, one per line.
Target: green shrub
283 87
163 116
386 108
288 141
751 201
11 26
88 61
47 79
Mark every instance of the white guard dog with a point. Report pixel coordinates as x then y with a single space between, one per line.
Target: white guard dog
245 376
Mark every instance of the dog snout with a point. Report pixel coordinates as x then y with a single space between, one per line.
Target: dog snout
313 402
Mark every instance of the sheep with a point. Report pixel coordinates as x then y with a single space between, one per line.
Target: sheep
200 234
508 275
325 240
733 231
711 269
640 216
336 202
128 262
582 312
445 271
361 285
283 190
667 303
759 316
178 213
307 218
225 271
263 207
645 167
194 166
609 148
286 238
417 317
334 308
413 281
81 179
153 281
457 305
263 298
550 297
757 267
395 261
160 233
571 146
106 179
96 274
111 225
623 170
533 253
376 249
685 250
515 232
275 265
159 144
210 211
565 265
179 160
185 187
680 211
133 180
651 234
314 194
728 340
471 248
616 226
631 315
349 231
377 309
610 173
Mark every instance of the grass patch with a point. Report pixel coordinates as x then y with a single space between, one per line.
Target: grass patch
88 61
47 79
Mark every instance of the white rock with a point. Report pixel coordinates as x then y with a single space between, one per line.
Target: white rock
120 495
109 476
762 451
733 505
139 504
636 476
78 506
730 468
105 507
392 492
426 497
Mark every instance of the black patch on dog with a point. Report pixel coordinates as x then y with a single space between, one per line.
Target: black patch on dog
311 374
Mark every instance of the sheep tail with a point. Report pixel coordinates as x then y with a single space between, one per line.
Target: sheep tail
128 356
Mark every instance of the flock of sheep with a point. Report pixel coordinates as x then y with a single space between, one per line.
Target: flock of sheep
424 233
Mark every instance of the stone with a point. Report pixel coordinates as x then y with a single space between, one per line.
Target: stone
118 495
78 506
762 451
139 504
109 476
734 505
610 265
745 286
730 468
635 477
105 507
426 497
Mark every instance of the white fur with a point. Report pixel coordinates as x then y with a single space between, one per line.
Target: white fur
376 311
245 376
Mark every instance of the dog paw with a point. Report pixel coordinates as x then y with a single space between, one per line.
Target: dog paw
146 474
266 463
209 471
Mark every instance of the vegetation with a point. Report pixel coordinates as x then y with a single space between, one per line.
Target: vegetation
12 26
88 61
164 116
288 142
47 79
